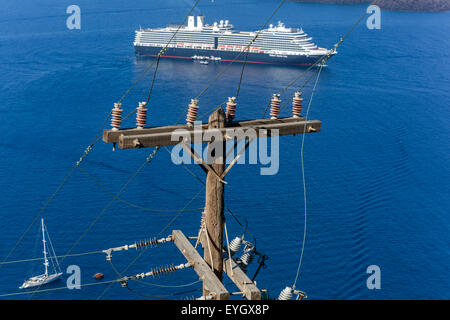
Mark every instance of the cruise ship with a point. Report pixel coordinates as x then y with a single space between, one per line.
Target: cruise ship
220 42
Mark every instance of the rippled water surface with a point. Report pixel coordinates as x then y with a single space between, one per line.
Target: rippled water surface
377 174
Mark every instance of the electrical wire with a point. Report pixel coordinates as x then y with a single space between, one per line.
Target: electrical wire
303 178
119 274
226 208
104 189
322 59
37 259
66 178
147 160
303 142
240 53
96 139
55 289
301 88
160 53
248 47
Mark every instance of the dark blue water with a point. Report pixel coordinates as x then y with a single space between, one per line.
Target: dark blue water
377 175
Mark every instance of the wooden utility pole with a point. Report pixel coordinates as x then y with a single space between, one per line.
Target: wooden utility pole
214 202
210 267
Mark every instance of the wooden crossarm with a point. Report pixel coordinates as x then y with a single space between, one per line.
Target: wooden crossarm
200 266
162 136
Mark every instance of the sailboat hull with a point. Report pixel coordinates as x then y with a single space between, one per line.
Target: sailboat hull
40 280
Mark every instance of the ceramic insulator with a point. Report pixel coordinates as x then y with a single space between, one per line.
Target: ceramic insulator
297 104
116 116
141 115
286 294
275 106
235 245
231 109
192 111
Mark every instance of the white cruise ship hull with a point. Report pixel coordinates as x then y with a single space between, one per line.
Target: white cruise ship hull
237 56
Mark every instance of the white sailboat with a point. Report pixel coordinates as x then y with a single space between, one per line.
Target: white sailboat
46 277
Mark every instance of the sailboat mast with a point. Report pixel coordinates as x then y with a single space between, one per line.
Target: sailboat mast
45 250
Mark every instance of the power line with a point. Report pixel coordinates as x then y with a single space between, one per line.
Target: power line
104 189
157 148
147 160
303 177
151 88
58 288
141 253
37 259
303 143
66 178
248 47
226 208
151 156
97 138
159 54
323 58
301 88
240 53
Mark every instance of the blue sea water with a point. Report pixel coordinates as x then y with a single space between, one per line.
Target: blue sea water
377 175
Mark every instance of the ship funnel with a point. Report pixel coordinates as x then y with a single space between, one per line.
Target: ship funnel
191 22
200 22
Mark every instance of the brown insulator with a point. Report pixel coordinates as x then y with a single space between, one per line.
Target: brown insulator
297 104
146 243
275 106
162 270
141 115
116 116
231 109
192 111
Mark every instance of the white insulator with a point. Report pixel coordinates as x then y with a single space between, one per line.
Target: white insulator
247 258
235 245
286 294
